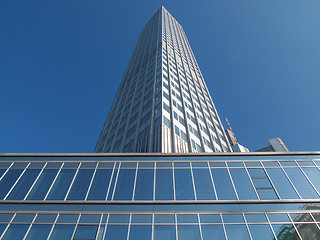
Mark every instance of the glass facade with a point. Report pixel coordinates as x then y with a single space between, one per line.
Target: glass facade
163 104
152 196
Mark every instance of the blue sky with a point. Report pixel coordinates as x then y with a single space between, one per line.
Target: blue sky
61 63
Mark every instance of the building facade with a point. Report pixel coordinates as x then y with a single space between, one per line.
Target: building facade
163 104
232 196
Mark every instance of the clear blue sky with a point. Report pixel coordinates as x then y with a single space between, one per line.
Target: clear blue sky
61 63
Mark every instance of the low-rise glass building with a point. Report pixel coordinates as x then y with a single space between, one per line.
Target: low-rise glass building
160 196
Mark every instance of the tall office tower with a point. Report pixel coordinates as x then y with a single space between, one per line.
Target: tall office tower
163 104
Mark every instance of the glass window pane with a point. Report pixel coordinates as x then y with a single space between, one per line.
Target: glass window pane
24 184
314 176
87 232
232 218
124 188
203 184
210 218
5 217
140 232
243 184
164 184
237 232
141 218
39 232
223 184
164 218
308 230
267 194
210 232
46 218
101 232
62 232
23 218
285 231
100 184
278 217
80 185
144 185
183 184
261 231
43 184
301 217
90 218
116 232
2 228
187 218
301 183
188 232
68 218
8 180
164 232
119 218
282 184
15 231
61 185
256 218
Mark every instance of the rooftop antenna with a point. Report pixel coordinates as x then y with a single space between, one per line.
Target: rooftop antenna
231 130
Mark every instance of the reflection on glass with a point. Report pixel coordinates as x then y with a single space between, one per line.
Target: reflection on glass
61 185
164 232
15 231
101 232
183 184
124 188
278 217
144 185
282 184
164 184
39 232
43 184
261 232
308 230
62 232
187 218
25 182
188 232
2 228
80 185
86 232
232 218
116 232
256 218
243 184
139 232
210 232
237 232
100 184
285 231
314 176
223 184
203 184
210 218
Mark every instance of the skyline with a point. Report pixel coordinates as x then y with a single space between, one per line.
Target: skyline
56 92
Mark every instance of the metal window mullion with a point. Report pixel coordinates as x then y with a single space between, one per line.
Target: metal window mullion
9 223
176 225
199 224
105 230
99 227
214 187
270 180
53 182
35 181
16 181
76 226
234 187
254 187
74 177
6 172
247 226
154 180
174 182
135 182
193 183
290 181
270 225
53 225
113 170
129 226
223 226
115 182
94 174
26 234
152 227
309 180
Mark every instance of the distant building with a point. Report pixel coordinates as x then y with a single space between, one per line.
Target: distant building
163 104
236 147
274 145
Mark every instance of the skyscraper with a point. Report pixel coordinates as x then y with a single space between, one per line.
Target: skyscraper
163 104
